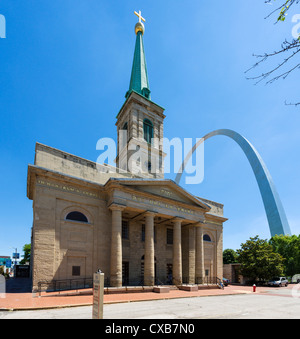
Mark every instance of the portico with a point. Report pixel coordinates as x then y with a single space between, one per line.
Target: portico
171 224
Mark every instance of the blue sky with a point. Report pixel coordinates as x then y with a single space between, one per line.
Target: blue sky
65 69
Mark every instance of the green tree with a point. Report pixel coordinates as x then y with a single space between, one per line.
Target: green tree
229 256
258 260
289 248
27 252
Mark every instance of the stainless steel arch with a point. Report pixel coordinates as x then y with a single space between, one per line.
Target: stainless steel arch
276 216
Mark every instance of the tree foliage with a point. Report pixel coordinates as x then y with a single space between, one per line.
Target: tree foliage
282 8
230 256
27 252
288 51
289 248
258 260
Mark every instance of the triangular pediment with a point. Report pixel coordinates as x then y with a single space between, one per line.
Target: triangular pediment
163 188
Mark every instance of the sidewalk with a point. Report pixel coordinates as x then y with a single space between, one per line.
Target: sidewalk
29 301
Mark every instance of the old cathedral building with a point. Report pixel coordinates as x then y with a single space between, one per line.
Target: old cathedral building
137 227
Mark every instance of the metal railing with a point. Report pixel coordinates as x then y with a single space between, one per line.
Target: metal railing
201 280
207 280
64 285
87 283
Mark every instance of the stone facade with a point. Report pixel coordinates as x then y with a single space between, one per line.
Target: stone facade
130 222
165 225
231 272
133 114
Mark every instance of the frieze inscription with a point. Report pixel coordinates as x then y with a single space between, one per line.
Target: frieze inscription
162 204
67 188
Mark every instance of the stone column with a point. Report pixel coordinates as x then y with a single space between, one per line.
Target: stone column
116 246
149 268
219 253
200 273
177 254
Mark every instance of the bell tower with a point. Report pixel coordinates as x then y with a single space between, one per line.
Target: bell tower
140 120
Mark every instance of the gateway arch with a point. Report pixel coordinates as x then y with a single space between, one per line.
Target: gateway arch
276 216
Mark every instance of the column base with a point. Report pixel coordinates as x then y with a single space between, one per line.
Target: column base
177 281
115 282
149 282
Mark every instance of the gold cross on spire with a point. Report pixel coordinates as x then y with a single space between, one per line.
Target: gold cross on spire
139 14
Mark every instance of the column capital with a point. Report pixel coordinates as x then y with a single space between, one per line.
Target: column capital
150 214
200 224
116 207
178 219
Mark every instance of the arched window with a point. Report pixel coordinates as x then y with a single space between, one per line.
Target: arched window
148 130
206 237
77 216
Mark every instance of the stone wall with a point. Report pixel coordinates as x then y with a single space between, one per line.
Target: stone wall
58 244
56 187
62 162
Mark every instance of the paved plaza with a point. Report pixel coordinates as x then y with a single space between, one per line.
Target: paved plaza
259 306
234 302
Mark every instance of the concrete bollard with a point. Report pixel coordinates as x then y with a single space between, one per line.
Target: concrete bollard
98 293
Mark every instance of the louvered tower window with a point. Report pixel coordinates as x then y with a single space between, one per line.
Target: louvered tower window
148 130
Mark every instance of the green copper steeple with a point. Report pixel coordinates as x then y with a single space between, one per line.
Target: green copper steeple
139 76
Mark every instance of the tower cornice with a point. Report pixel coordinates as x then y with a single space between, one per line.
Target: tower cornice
141 100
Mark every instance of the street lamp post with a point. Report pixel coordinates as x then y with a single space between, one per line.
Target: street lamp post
15 254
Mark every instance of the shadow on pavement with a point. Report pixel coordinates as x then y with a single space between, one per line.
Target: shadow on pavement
18 285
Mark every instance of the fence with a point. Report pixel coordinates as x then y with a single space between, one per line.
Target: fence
64 285
86 283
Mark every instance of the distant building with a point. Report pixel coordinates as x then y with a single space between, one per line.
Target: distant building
232 272
5 263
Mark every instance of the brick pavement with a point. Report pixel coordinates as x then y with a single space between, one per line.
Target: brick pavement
27 300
